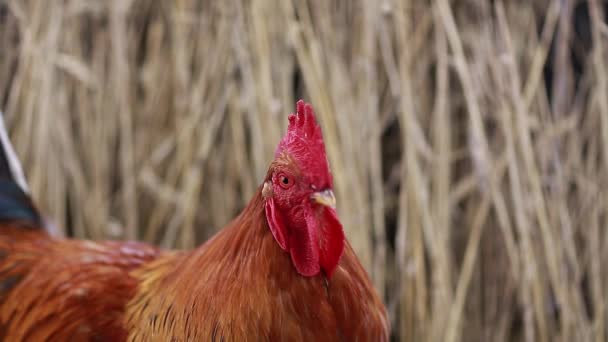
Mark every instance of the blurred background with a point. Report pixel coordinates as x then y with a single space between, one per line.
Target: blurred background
468 139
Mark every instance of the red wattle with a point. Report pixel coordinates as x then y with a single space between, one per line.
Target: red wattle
331 242
276 224
305 247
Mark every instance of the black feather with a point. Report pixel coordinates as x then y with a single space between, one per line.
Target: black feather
15 202
16 205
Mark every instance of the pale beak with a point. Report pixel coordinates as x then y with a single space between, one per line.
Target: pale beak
325 197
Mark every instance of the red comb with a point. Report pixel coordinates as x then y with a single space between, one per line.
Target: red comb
304 120
304 144
303 130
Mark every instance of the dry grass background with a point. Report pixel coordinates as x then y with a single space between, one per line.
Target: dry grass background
472 196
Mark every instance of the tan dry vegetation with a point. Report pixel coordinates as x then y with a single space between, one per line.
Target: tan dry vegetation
472 196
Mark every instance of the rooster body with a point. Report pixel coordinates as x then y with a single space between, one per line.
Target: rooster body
281 270
245 289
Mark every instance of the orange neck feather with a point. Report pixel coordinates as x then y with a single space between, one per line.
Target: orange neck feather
245 247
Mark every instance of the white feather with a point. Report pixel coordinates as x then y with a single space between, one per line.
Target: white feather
13 162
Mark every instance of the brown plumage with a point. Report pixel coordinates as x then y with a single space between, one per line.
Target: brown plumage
281 270
65 290
241 284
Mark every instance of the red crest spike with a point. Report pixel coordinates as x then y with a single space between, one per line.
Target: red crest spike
304 142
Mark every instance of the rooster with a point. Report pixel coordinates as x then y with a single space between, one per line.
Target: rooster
282 270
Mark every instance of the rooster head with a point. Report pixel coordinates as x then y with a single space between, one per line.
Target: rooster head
299 199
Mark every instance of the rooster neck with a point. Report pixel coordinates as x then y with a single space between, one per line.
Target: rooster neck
259 246
251 227
247 253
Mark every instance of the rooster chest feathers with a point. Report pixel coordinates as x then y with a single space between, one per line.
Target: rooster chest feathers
250 284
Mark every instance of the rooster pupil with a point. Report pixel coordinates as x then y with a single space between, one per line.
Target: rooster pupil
284 180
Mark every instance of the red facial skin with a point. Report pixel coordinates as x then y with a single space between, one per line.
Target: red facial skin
310 232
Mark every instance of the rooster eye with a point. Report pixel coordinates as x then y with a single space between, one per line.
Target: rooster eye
285 181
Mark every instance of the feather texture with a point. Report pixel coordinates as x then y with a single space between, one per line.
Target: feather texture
65 290
241 286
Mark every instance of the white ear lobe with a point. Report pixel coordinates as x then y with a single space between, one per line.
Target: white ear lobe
267 190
